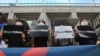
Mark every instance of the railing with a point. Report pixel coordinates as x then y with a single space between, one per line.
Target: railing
52 51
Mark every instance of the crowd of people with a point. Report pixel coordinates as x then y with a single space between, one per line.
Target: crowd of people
27 41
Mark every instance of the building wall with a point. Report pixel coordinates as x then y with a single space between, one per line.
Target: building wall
43 10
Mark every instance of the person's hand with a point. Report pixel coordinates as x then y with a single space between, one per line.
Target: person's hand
23 35
77 31
98 43
29 31
24 40
55 34
6 41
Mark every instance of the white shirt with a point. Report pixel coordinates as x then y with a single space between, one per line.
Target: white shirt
3 44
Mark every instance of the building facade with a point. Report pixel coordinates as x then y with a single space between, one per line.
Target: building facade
54 12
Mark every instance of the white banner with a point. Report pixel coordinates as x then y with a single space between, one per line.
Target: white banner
63 32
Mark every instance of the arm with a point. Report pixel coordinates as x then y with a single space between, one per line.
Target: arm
55 34
23 37
98 34
49 37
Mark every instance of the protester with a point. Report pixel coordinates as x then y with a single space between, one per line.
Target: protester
63 41
82 40
25 35
16 39
41 41
3 21
97 29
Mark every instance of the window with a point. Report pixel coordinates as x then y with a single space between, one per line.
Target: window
29 1
56 1
81 1
8 1
97 1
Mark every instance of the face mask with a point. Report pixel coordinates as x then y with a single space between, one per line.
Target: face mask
19 23
84 23
41 24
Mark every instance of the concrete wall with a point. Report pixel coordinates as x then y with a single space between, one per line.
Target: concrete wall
43 10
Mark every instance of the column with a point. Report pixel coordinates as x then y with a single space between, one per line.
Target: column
11 15
74 15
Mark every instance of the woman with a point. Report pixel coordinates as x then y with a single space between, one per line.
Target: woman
41 41
25 35
83 40
16 40
63 41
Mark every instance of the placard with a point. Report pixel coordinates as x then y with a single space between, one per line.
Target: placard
40 31
86 32
63 32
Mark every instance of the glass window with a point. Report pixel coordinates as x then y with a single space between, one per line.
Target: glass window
56 1
81 1
97 1
29 1
8 1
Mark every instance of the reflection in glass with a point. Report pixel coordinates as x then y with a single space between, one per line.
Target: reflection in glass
29 1
97 1
56 1
81 1
8 1
49 2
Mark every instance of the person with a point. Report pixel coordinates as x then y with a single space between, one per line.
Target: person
25 34
82 40
20 39
41 42
62 42
3 22
97 29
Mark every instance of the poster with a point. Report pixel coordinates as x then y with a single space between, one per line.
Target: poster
86 32
63 32
40 31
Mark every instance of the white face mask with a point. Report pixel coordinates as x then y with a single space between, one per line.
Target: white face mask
19 23
41 24
84 23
